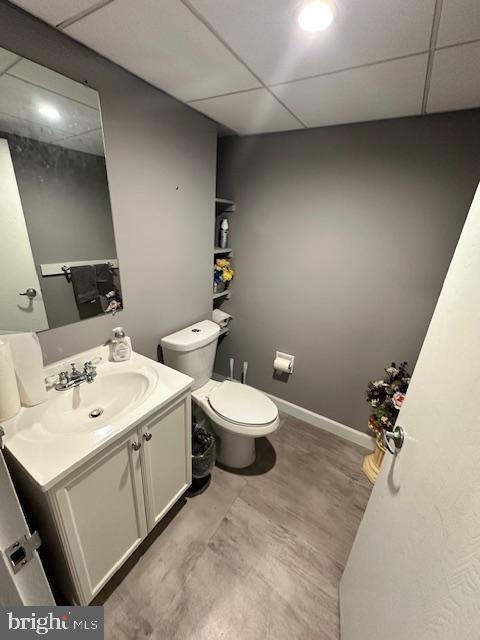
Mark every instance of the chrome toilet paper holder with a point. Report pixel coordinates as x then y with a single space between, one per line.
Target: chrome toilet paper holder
283 362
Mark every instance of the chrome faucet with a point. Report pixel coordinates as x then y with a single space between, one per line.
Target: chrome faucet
68 380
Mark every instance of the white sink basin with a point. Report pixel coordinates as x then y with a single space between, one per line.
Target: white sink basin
89 407
53 438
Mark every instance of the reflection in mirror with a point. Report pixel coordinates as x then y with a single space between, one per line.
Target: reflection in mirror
58 260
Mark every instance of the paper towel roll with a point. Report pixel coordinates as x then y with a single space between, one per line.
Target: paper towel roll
9 396
282 365
221 318
28 363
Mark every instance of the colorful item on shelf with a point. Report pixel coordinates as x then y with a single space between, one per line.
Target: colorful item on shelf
222 274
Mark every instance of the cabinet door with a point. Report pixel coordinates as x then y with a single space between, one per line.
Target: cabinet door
101 510
167 456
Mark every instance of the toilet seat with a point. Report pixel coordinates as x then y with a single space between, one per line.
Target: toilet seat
202 397
242 405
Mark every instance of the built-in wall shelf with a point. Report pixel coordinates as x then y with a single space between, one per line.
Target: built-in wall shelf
222 205
222 294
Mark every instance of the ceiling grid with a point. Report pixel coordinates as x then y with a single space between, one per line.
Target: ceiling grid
249 66
437 14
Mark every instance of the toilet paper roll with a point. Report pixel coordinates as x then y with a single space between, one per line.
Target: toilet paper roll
282 365
221 318
9 396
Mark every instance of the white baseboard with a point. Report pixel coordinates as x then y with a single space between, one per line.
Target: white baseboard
321 422
316 420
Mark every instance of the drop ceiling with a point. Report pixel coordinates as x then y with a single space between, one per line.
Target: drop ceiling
247 65
24 86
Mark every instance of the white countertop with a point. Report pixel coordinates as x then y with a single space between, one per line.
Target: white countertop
48 455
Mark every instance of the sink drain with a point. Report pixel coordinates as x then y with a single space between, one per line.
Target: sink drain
95 413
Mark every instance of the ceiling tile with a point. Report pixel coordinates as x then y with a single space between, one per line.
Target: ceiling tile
22 100
268 39
248 112
7 58
26 128
164 43
38 75
455 82
89 142
55 11
460 21
386 90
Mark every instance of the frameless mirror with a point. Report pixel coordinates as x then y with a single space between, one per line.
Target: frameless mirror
58 260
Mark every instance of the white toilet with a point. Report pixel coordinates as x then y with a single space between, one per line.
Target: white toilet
238 413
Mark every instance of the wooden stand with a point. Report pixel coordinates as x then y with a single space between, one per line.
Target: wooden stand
373 462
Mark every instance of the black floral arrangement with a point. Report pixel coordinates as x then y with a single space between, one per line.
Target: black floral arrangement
387 396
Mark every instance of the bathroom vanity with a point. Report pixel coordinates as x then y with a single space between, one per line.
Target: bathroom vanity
98 466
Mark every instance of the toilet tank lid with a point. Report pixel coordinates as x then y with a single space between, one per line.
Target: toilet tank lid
193 337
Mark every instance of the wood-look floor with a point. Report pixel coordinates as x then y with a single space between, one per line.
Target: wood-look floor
259 555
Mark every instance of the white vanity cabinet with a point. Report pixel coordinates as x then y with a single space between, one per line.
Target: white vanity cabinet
166 455
92 520
100 513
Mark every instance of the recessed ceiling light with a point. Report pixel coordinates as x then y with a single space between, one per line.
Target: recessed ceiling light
315 16
48 112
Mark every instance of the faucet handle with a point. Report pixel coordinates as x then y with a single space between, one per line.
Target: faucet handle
89 371
63 377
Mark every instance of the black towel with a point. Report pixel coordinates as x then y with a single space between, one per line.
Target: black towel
104 278
84 283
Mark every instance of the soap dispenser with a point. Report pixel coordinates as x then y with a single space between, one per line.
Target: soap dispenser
121 349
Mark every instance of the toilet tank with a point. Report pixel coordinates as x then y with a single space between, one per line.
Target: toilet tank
192 350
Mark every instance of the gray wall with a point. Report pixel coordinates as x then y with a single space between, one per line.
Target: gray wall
161 158
66 206
342 238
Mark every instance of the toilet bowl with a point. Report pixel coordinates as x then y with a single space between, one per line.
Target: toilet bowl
238 413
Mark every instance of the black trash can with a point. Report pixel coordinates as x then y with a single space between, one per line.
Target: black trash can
203 459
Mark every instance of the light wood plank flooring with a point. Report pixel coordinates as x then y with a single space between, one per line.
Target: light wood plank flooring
259 555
